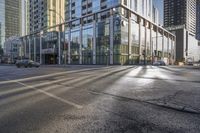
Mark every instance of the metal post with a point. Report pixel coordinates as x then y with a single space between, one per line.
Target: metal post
29 49
54 54
34 48
59 50
94 42
111 37
40 49
69 54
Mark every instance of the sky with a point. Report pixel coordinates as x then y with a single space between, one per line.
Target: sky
159 5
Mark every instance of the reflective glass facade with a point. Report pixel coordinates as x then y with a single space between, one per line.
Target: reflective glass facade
13 18
2 22
112 34
198 20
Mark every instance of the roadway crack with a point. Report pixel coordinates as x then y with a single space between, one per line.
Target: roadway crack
168 105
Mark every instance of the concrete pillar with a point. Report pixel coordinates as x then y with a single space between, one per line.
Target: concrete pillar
163 43
129 38
34 41
59 49
94 42
40 49
80 45
140 40
168 48
29 49
111 39
156 44
151 44
145 54
69 48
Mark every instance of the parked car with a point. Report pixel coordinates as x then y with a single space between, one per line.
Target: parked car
27 63
159 63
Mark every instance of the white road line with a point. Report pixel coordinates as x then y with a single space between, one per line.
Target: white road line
43 76
35 86
52 96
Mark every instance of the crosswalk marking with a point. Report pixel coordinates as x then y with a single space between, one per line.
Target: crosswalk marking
53 96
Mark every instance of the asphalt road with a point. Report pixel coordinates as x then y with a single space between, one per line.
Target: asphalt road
96 99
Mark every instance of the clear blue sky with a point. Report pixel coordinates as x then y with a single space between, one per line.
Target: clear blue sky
159 5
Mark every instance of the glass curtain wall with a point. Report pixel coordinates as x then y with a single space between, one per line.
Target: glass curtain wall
32 47
154 46
102 38
37 48
142 45
148 45
124 47
75 47
116 38
135 46
160 45
121 37
87 46
165 47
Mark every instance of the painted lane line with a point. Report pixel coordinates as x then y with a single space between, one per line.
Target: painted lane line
36 86
46 76
52 96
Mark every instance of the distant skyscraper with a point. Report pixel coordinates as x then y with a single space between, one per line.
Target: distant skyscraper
40 15
198 20
180 13
2 22
12 18
155 15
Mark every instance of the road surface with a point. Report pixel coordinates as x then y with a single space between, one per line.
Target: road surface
115 99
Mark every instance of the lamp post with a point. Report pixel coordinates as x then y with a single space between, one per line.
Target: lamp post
60 30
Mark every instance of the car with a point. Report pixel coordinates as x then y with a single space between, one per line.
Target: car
159 63
26 63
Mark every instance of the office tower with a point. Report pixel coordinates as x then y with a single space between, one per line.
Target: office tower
101 32
198 20
12 18
2 22
45 13
180 13
180 19
155 15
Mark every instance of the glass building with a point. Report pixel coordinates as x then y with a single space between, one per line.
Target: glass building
198 20
106 32
2 22
180 13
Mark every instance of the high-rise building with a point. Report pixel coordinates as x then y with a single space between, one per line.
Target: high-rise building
2 22
180 19
13 18
78 8
98 32
198 21
45 13
180 13
155 15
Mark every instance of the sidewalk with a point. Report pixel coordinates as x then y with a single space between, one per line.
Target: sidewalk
186 67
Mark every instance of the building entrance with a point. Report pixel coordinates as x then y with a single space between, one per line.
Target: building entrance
50 59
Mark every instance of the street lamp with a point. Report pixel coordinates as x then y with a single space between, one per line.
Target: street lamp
60 30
